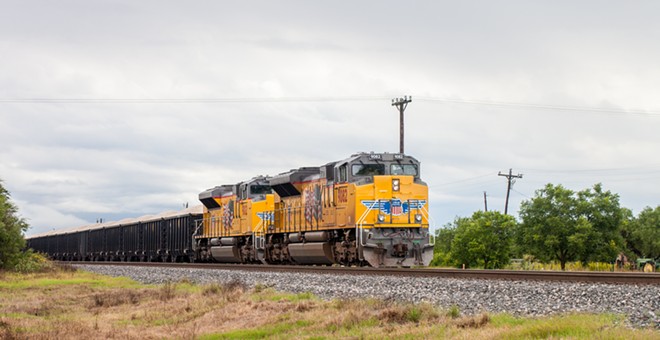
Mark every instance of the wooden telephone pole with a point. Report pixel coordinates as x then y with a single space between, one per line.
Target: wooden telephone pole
485 202
401 104
508 187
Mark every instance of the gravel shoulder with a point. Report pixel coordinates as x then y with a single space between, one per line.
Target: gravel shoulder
640 303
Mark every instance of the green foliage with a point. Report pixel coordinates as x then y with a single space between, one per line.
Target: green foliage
548 220
561 224
442 249
642 234
573 326
269 331
453 312
484 240
31 262
603 212
443 260
414 314
12 228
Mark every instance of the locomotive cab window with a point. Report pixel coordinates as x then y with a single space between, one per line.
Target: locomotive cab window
244 194
403 169
342 173
368 169
259 191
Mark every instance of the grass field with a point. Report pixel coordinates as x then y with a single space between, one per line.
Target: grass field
67 304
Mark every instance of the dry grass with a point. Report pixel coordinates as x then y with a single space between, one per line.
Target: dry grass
71 305
472 321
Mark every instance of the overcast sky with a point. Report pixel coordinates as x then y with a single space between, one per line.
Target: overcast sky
118 109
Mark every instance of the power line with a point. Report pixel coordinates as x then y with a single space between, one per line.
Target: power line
542 106
643 168
461 180
185 100
628 174
519 193
318 99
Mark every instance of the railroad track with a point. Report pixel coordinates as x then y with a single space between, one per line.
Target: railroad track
582 276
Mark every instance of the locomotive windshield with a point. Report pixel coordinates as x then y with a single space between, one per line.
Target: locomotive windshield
403 169
260 189
368 169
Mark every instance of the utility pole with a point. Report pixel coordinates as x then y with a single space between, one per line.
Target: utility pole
485 203
508 187
401 104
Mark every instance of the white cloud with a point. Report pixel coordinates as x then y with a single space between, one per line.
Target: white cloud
44 218
84 160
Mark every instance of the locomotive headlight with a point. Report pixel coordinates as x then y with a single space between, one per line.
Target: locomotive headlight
381 218
396 184
418 218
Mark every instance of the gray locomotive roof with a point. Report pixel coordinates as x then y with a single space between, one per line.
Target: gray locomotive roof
194 210
218 191
283 183
294 176
385 156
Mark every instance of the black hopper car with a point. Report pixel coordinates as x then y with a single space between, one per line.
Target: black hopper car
166 237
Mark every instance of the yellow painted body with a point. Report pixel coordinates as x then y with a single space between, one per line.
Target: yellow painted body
409 192
342 205
235 218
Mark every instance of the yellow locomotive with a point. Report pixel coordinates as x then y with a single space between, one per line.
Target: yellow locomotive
371 208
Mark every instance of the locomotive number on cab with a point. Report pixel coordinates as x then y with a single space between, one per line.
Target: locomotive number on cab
342 195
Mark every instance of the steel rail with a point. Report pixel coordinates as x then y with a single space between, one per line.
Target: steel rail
522 275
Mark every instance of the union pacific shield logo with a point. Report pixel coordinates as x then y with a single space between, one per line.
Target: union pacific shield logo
394 207
266 216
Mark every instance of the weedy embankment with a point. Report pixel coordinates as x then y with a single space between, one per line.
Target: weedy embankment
68 304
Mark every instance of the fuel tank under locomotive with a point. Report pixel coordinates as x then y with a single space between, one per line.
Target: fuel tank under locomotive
379 247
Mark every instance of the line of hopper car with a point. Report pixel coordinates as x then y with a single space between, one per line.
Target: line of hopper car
368 209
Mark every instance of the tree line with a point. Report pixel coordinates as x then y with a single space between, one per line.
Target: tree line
557 224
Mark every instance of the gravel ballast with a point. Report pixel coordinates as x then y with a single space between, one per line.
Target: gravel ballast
640 303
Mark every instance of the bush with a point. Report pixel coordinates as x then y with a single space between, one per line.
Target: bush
453 312
442 260
600 266
31 262
12 227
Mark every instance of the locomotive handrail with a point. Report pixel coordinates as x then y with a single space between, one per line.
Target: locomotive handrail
430 219
358 226
200 223
258 230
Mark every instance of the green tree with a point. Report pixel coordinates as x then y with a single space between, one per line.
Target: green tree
566 226
11 231
642 234
484 240
443 240
602 210
626 227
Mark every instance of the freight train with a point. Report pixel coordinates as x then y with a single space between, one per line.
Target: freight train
165 237
368 209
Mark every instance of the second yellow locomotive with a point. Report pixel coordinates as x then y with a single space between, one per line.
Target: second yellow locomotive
368 209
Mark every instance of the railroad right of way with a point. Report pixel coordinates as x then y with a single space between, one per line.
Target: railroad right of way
640 303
